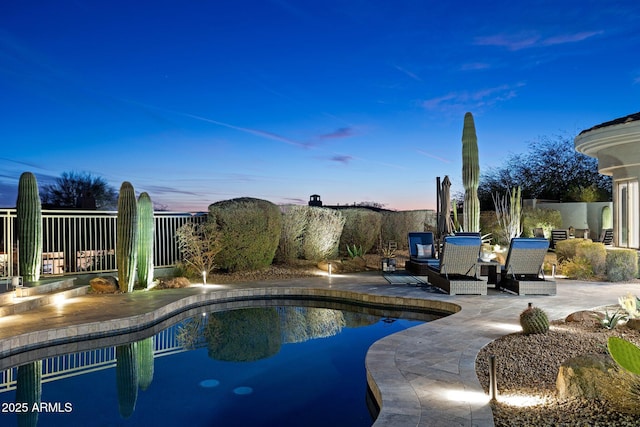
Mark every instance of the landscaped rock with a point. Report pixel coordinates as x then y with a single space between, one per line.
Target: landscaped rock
584 376
104 285
173 283
634 324
585 316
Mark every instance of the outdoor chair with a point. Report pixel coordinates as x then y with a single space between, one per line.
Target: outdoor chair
457 269
606 236
522 273
558 235
421 252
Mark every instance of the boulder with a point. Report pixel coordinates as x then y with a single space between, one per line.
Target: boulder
597 376
104 285
585 316
173 283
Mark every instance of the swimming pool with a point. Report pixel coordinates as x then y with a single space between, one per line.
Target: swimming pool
301 363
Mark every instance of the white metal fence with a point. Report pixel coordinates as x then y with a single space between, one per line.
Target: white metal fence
76 241
72 364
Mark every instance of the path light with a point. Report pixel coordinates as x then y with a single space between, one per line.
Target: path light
204 278
493 383
329 269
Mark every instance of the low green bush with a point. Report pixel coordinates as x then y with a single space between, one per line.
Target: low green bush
595 253
361 227
566 249
622 265
249 233
578 268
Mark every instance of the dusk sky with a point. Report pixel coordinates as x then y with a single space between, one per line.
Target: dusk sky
354 100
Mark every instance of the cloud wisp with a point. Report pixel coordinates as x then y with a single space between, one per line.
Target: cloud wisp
525 40
472 100
343 132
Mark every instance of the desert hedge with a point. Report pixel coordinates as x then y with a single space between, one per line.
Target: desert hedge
622 265
566 249
361 228
396 225
249 233
595 253
322 232
294 223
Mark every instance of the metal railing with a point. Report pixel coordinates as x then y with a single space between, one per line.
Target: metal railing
76 241
83 362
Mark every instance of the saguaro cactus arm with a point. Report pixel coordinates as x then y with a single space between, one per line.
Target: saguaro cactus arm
29 218
126 237
470 175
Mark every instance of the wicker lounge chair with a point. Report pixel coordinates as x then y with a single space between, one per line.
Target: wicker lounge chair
522 273
457 270
421 252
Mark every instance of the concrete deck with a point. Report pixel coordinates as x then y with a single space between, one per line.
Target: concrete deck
424 376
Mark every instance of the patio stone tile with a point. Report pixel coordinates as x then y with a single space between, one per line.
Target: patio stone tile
425 375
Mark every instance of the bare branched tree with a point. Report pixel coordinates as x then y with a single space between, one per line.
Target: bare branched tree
79 190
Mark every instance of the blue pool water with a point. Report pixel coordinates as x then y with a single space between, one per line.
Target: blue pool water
274 366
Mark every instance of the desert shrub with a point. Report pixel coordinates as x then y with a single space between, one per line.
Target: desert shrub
595 253
489 225
622 265
396 226
294 221
566 249
322 233
361 227
577 267
249 232
547 219
198 244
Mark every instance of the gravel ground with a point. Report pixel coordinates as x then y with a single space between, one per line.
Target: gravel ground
528 366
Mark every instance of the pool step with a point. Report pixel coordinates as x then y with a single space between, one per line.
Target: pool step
29 297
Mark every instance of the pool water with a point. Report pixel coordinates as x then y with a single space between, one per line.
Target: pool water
269 366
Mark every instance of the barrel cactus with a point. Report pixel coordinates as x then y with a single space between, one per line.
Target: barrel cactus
126 237
534 321
127 378
29 218
145 240
470 175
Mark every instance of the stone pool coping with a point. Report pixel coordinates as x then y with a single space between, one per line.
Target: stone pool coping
423 376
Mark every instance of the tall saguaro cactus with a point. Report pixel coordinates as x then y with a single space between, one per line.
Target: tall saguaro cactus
127 237
470 175
29 216
145 240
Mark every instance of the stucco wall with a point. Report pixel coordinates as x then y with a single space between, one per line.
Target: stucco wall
580 214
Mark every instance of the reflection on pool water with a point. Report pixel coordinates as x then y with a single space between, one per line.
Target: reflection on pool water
267 366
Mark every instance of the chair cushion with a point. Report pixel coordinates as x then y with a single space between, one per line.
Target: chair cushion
424 251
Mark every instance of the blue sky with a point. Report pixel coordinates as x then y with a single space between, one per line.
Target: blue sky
200 101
